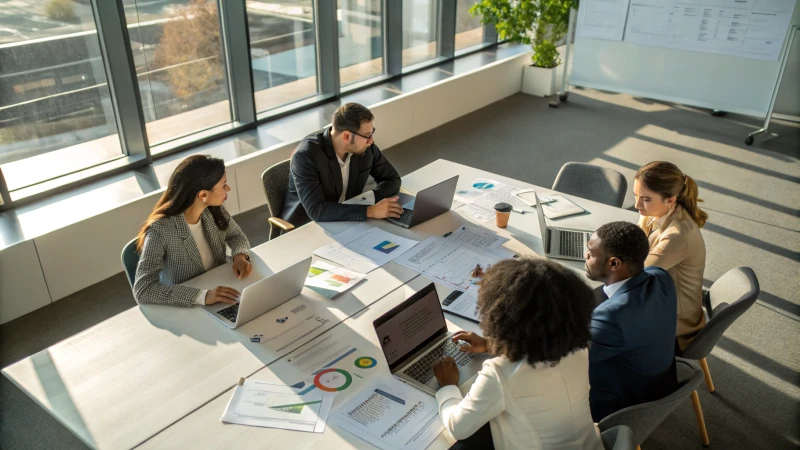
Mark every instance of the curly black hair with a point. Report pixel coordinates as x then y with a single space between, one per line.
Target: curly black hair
626 241
534 309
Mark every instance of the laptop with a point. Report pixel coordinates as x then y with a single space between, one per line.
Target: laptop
562 242
262 296
411 355
428 204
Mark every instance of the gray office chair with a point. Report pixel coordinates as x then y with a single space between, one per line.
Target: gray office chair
592 182
619 437
130 259
729 297
276 183
644 418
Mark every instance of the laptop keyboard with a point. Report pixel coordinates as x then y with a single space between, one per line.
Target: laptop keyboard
230 312
422 370
570 243
406 216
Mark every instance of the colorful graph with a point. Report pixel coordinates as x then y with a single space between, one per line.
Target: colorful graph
314 271
296 408
333 380
481 186
386 247
366 362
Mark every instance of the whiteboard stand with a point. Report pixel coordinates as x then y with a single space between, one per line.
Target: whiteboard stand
564 91
789 42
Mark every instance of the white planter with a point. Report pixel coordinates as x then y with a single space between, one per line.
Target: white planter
538 81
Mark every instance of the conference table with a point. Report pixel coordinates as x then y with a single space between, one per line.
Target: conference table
160 376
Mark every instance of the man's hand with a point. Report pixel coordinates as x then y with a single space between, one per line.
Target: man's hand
475 343
446 371
388 207
222 294
241 266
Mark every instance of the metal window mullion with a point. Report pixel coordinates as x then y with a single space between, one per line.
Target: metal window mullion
327 27
112 32
5 197
393 36
233 18
489 34
447 29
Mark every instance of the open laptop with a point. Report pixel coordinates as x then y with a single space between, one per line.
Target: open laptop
562 242
428 204
411 355
262 296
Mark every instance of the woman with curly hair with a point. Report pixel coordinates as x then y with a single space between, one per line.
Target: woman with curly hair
534 393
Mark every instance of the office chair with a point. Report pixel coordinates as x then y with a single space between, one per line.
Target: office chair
592 182
619 437
729 297
130 259
644 418
276 183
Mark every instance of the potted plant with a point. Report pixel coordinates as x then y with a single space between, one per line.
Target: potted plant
539 23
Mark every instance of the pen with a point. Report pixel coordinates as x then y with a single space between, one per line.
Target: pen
518 211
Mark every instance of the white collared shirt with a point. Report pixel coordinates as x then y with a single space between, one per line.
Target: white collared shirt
612 289
345 166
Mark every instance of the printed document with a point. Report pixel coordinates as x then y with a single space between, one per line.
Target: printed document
261 404
330 281
465 305
602 19
291 323
390 414
364 248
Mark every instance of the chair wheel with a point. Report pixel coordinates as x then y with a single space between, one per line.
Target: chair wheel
749 140
563 97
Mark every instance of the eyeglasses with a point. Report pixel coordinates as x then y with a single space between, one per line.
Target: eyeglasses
365 137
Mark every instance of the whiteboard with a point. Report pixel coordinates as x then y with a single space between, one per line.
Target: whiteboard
698 78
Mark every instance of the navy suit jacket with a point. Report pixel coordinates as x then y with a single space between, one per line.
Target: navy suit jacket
631 357
315 184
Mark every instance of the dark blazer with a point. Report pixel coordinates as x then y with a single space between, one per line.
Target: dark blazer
315 184
631 357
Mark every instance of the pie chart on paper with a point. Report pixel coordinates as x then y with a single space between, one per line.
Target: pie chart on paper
333 380
483 186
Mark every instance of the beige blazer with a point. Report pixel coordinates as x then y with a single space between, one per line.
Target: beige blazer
677 246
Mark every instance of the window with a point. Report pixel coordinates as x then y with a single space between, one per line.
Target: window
420 30
283 51
469 31
56 115
360 43
180 65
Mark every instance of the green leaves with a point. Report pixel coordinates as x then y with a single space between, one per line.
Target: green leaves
540 23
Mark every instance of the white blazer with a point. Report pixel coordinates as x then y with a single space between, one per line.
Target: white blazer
527 407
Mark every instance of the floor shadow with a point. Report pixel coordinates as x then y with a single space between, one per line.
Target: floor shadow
755 242
781 371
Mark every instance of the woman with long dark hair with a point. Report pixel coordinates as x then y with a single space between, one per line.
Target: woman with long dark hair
667 200
186 235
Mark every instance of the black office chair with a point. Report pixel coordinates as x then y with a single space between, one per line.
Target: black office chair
592 182
729 298
276 182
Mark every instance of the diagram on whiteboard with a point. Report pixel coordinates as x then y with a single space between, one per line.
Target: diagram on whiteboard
745 28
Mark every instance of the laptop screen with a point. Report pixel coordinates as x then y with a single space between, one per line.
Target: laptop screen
410 326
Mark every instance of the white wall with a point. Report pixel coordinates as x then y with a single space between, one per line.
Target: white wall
79 255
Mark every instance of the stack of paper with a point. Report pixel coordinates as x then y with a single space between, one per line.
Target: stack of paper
480 198
364 248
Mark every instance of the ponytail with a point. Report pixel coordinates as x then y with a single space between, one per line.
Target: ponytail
688 199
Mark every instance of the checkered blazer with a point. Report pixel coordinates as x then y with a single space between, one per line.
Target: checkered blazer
170 257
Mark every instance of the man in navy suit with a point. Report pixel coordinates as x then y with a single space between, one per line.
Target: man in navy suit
631 357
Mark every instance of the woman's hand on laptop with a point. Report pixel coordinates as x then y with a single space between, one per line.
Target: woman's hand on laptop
446 371
241 266
388 207
222 294
475 343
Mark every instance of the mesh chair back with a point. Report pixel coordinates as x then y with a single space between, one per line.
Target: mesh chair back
644 418
592 182
729 298
276 183
618 438
130 259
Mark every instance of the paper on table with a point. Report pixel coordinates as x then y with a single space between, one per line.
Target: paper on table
390 414
476 237
480 213
329 281
291 322
465 305
364 248
261 404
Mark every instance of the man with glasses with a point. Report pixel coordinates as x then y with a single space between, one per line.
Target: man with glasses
332 166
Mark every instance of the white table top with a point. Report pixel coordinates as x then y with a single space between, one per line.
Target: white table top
203 428
145 370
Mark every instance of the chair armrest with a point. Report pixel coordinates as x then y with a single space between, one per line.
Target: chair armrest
280 223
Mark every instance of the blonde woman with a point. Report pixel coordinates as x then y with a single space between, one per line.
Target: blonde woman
667 200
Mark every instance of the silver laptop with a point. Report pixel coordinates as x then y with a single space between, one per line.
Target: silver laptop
262 296
562 242
411 354
428 203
